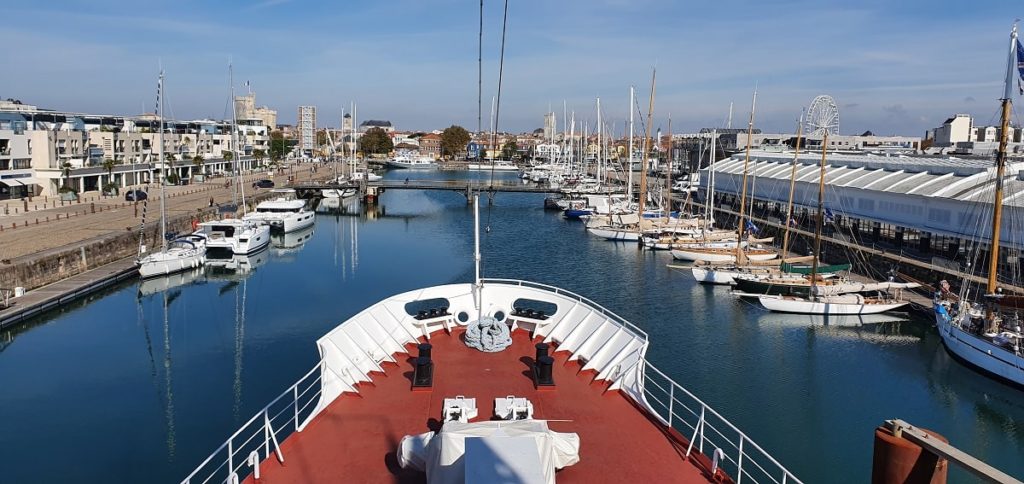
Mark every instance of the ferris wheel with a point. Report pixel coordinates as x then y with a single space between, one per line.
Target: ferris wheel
822 117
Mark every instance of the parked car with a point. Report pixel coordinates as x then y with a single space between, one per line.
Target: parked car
263 184
135 196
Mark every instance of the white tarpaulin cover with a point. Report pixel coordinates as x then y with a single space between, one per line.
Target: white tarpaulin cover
445 459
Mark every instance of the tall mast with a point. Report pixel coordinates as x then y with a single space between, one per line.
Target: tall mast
480 74
629 171
600 146
710 203
997 203
743 195
821 215
234 141
163 168
792 184
647 146
667 207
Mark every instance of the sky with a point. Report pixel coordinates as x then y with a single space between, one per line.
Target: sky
892 67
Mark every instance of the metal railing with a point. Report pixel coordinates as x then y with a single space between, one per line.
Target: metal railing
709 433
601 309
262 435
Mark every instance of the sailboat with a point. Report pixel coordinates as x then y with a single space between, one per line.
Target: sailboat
236 235
837 304
740 253
180 254
981 333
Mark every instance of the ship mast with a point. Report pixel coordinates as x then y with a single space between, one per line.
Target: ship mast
647 146
997 203
792 186
743 193
821 216
163 167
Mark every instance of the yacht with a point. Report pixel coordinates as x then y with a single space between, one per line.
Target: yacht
239 236
404 161
285 212
358 175
497 165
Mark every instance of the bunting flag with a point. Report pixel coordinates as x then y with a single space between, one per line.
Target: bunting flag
752 228
159 86
1020 67
829 216
792 222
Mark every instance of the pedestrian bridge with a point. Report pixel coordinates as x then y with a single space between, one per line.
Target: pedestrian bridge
465 186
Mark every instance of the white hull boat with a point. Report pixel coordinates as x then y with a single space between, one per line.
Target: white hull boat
172 260
238 236
832 305
1005 361
410 163
722 255
286 214
496 166
610 233
710 275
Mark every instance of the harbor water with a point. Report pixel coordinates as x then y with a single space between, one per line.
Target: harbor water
142 381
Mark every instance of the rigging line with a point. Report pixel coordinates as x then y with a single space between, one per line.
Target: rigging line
480 74
497 110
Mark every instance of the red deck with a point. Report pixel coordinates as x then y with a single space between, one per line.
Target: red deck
355 438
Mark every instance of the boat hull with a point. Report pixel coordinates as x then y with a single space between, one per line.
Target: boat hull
757 286
707 275
162 264
977 352
781 304
615 234
717 256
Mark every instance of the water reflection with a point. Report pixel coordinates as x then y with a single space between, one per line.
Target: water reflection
891 328
288 243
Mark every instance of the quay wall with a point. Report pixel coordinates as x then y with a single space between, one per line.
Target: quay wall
50 266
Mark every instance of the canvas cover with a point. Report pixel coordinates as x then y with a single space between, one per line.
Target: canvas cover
443 455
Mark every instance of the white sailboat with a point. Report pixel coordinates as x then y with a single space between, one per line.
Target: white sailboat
239 236
839 304
982 334
179 254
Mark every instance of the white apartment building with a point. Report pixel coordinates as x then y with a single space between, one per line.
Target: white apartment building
958 135
307 129
42 151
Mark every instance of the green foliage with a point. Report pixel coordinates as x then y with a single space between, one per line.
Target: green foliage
454 140
321 137
228 156
375 141
170 157
509 150
198 160
110 188
279 147
173 178
108 164
259 155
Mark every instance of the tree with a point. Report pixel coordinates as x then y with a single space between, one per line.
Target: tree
228 156
110 186
170 157
259 154
321 137
509 150
279 147
454 140
375 141
198 161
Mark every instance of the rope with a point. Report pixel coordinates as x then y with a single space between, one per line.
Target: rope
497 111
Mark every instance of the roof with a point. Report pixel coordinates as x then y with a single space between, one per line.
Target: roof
377 123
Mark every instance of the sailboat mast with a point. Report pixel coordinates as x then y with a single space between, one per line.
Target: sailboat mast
647 146
997 203
792 185
667 207
743 191
709 207
163 168
821 215
600 146
629 170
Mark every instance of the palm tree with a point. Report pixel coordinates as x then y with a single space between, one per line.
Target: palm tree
259 155
198 161
109 187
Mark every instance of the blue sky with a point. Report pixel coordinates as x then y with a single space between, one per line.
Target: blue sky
893 67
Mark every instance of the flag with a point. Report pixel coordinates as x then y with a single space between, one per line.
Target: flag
829 216
1020 67
752 228
792 222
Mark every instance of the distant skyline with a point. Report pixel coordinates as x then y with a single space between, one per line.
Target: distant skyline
893 67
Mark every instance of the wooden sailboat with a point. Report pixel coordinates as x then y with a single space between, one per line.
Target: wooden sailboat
741 253
838 304
982 334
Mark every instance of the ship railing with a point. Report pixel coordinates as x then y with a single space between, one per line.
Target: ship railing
707 433
571 295
259 438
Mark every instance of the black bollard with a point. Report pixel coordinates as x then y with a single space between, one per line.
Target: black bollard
542 371
423 376
542 350
425 350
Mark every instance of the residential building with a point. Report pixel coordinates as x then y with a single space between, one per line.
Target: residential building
430 145
959 136
374 123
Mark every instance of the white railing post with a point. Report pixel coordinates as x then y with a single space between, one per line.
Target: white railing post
266 434
295 404
671 400
697 430
231 455
739 461
273 437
